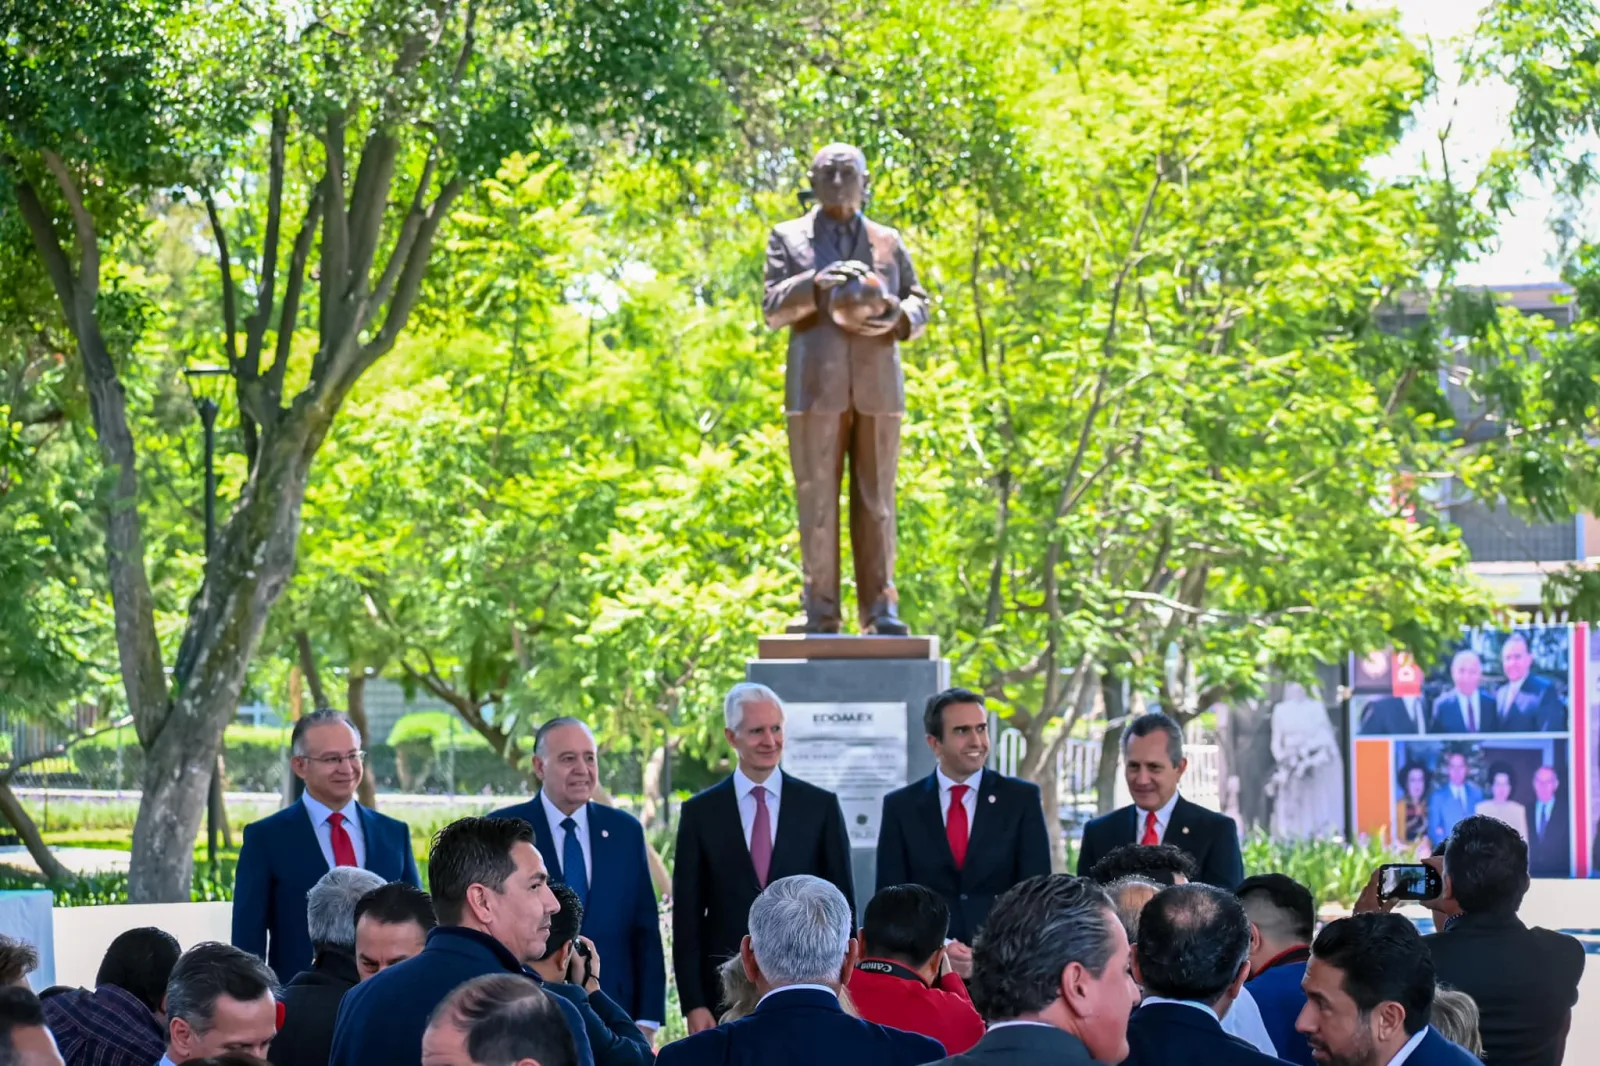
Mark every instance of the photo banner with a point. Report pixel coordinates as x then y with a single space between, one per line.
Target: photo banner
1504 725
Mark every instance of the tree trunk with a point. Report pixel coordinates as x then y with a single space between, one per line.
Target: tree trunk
1050 798
1105 775
219 783
242 580
355 705
16 814
313 676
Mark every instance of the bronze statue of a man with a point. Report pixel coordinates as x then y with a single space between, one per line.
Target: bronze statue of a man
846 288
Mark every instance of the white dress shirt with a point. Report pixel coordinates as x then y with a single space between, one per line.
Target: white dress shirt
1410 1045
834 992
1163 819
744 788
558 835
1014 1022
969 801
319 812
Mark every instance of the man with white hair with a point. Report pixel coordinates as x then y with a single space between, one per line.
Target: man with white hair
1467 707
799 953
738 836
311 1000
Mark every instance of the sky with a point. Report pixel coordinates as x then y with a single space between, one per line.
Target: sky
1477 116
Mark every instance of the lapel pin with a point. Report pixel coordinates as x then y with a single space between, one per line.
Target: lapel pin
607 832
1185 830
991 797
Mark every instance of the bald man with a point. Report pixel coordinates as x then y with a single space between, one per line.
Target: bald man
844 391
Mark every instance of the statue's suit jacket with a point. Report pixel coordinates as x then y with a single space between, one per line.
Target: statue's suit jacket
832 371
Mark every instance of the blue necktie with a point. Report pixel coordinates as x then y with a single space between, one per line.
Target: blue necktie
572 866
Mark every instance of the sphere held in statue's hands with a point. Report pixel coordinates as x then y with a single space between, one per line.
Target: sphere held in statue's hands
856 302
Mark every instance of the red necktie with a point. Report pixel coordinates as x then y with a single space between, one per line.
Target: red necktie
955 825
344 852
1150 830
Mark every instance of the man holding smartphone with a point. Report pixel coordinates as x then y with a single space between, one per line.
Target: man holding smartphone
571 969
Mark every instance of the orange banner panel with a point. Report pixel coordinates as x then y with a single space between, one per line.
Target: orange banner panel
1374 783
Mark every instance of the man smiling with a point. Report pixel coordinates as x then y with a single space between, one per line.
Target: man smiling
284 854
965 832
1152 753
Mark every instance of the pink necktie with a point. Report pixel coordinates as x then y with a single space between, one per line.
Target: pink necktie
761 837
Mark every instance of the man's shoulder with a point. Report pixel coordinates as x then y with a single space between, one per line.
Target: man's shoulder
800 788
879 231
277 818
388 821
523 810
1006 785
705 796
1105 820
615 820
1204 815
1435 1050
906 793
794 229
1559 947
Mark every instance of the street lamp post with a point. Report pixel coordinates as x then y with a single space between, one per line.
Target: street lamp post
206 405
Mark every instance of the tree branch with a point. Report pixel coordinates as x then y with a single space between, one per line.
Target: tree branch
291 297
83 225
230 312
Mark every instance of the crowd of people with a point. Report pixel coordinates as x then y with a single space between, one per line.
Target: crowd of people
535 947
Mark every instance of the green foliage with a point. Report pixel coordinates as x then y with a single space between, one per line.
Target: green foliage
255 758
1335 871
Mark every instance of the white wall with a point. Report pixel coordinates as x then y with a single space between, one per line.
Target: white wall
83 934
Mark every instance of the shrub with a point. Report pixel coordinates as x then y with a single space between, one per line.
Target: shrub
254 757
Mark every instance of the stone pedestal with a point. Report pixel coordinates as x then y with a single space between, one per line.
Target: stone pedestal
850 680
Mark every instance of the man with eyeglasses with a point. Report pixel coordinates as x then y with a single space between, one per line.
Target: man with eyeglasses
285 854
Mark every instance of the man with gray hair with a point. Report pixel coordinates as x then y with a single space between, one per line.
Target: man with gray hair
1153 764
498 1020
799 953
219 1000
311 1000
585 843
284 854
754 827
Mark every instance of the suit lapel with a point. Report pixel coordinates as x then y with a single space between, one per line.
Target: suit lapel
930 812
987 816
375 850
727 810
602 856
305 836
791 835
1179 826
544 839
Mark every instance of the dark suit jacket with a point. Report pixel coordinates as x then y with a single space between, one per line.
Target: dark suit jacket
1008 843
801 1028
831 371
1538 706
1160 1034
1444 812
620 914
1449 716
1210 837
1435 1050
310 1007
1024 1045
714 882
613 1037
382 1019
280 860
1550 852
1525 982
1388 716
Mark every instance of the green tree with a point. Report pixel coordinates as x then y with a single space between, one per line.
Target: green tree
327 148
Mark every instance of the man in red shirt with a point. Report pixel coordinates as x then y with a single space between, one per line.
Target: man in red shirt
903 979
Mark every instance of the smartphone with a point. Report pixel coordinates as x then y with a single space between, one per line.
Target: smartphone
1409 880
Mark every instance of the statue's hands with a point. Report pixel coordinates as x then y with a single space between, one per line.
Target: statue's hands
885 321
835 274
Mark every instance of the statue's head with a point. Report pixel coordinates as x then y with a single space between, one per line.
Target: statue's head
839 179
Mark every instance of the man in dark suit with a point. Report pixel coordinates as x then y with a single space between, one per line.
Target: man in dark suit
799 953
844 394
1549 828
1526 701
1283 919
1152 753
738 836
1369 989
1467 707
1456 799
571 969
286 853
1392 715
965 832
493 896
599 852
1525 981
311 1000
1192 959
392 925
1050 973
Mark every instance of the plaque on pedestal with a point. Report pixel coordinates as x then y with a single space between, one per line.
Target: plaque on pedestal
853 721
